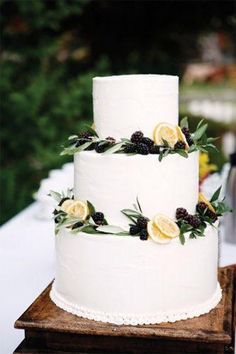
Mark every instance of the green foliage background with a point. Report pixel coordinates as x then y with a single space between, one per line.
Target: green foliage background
50 52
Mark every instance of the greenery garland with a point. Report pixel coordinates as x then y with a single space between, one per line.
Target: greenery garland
89 140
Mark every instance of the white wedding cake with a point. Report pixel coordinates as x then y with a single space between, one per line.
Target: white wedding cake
152 262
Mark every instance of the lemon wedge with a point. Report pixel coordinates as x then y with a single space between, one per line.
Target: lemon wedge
78 209
155 233
66 204
203 199
166 226
182 137
167 132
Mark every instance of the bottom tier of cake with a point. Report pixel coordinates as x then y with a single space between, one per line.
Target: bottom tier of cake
124 280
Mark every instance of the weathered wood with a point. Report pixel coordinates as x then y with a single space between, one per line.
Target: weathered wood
47 326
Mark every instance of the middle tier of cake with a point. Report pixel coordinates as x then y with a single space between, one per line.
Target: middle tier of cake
114 182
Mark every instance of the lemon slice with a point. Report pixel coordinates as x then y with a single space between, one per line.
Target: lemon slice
166 225
202 198
155 233
66 204
182 137
78 209
167 132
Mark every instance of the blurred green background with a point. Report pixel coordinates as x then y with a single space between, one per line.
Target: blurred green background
50 50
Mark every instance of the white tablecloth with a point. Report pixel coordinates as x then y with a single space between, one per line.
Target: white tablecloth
27 266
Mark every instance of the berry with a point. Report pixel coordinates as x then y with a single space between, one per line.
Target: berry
86 135
143 235
201 207
211 215
111 140
136 137
147 141
155 149
98 218
142 149
134 230
129 148
142 222
187 134
90 147
181 213
57 219
83 138
99 148
76 225
193 220
62 200
180 145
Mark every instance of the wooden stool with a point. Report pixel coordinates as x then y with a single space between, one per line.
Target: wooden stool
48 329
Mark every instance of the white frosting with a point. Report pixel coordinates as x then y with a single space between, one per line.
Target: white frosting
125 280
112 183
127 103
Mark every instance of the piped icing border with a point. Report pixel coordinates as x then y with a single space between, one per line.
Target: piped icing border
133 319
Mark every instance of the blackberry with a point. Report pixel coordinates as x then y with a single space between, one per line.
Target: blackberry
187 134
86 135
180 145
98 218
155 149
142 149
99 148
90 147
193 220
77 225
134 230
143 235
201 207
111 140
142 222
57 219
181 213
136 137
211 215
80 142
147 141
62 200
129 148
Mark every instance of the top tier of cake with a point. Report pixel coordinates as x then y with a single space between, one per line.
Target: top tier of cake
127 103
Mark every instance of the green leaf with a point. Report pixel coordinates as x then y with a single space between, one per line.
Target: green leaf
215 195
160 156
184 123
72 137
89 229
192 148
211 140
110 229
56 196
199 133
113 149
139 206
182 152
91 130
182 238
200 123
91 208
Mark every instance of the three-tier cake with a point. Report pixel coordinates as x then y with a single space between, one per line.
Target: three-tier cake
136 274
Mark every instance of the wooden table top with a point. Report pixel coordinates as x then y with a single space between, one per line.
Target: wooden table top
214 327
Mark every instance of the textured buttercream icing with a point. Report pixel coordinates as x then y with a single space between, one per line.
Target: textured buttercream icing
126 103
123 280
113 182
